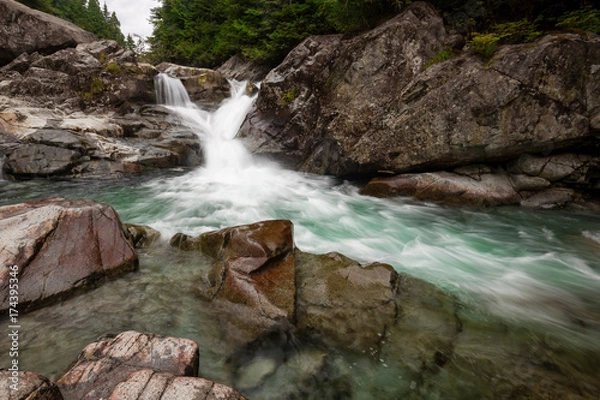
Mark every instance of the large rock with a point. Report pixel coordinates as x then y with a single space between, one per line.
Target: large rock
527 181
330 92
104 364
252 284
58 247
489 190
367 104
23 30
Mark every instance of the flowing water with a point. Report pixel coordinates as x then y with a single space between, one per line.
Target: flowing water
538 271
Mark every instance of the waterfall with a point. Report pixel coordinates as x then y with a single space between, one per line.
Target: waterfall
217 129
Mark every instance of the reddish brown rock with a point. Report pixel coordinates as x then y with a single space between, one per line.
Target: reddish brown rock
253 281
105 364
29 386
60 247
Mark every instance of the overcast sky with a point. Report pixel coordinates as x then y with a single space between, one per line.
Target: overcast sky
134 15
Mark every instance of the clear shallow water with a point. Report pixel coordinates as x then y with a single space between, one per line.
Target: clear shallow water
537 270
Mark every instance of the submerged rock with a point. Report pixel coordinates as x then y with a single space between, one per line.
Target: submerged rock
345 303
60 247
30 386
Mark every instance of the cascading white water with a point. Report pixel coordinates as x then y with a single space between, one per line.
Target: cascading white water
224 155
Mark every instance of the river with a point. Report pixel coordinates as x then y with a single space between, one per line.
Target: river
529 268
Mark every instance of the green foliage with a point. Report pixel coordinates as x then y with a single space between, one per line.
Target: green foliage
42 5
113 68
442 56
96 87
521 31
585 18
484 43
208 32
288 97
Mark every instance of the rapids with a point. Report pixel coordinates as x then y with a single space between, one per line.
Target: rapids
533 269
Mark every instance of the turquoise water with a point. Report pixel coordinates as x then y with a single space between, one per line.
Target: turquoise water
537 272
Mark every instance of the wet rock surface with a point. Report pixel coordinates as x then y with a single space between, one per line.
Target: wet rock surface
557 181
149 384
60 247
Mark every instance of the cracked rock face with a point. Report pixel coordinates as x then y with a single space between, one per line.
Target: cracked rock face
103 365
60 247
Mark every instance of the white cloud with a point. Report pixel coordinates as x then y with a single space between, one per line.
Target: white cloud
134 15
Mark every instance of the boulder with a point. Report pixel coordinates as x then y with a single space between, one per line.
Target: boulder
24 30
362 105
60 247
30 386
252 283
491 189
554 181
105 364
99 74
